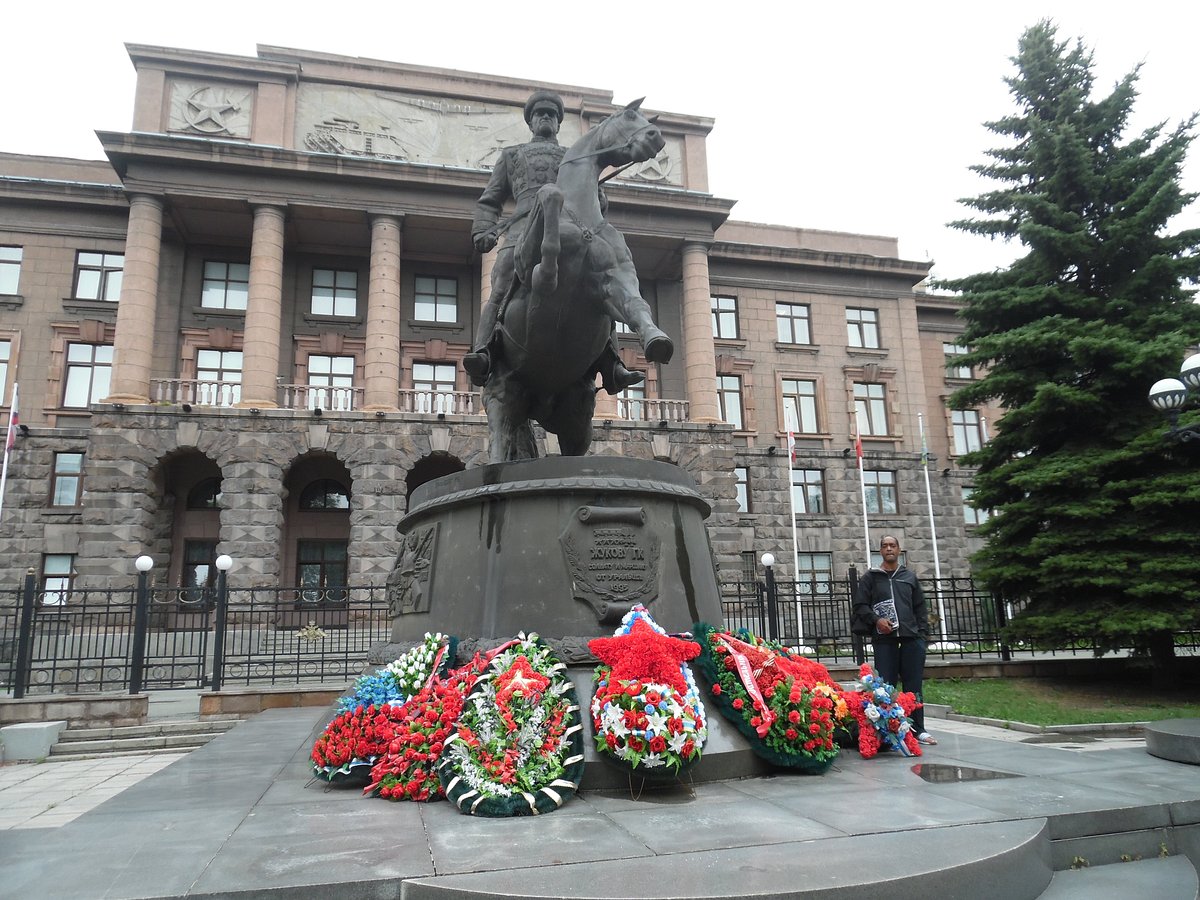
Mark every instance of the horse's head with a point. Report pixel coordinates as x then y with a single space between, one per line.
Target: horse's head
630 135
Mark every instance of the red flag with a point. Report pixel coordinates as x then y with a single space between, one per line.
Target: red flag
858 446
792 445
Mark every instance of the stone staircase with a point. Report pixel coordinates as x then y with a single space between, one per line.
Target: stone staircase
151 739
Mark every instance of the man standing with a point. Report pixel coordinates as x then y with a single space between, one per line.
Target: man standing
891 604
519 173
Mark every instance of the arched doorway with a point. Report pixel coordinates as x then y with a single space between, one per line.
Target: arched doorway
316 551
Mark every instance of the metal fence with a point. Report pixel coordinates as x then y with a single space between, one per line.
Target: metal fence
965 620
159 639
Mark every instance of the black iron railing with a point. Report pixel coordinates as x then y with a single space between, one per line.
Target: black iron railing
156 639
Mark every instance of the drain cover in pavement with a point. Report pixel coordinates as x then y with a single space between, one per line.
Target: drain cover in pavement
939 773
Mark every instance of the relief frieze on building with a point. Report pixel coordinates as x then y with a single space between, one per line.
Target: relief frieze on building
413 128
209 109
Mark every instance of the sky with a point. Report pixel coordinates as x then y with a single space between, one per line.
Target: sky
845 117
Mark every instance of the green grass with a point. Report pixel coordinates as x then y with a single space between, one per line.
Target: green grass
1041 701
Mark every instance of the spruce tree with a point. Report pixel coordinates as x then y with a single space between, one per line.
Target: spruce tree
1095 515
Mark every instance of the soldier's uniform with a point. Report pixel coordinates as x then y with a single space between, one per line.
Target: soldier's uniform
519 173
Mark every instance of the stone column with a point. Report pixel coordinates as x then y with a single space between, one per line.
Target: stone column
264 310
133 348
382 363
700 355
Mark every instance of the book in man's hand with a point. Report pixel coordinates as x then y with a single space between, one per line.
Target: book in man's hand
886 609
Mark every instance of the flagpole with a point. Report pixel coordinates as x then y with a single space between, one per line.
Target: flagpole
937 566
795 547
862 485
9 439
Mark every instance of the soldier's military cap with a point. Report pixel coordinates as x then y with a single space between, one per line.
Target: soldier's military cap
543 98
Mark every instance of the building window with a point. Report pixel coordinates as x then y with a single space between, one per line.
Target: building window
800 405
870 408
10 269
5 361
218 377
621 327
89 370
814 573
741 476
808 491
198 578
321 570
953 369
226 285
724 317
324 494
437 299
66 479
631 403
968 433
971 515
334 292
98 276
58 572
880 489
749 566
791 323
434 384
327 374
729 400
862 328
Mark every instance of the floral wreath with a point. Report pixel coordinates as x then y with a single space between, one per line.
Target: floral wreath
518 748
882 714
361 731
405 771
785 705
646 710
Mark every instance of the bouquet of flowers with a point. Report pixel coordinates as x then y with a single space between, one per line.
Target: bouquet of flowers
420 728
787 706
346 748
402 678
882 713
353 728
518 748
646 709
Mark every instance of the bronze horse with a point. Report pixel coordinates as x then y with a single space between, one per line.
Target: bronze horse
575 276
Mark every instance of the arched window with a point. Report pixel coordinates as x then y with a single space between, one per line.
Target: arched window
205 495
325 493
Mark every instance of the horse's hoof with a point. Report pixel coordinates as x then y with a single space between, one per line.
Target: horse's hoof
659 348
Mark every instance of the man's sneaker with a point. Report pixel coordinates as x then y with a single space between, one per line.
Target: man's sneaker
926 738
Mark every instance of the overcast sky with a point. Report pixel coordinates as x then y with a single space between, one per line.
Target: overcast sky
848 117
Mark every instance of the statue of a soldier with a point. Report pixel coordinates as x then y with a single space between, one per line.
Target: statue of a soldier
518 174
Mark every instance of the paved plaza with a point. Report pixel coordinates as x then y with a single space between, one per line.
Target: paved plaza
242 817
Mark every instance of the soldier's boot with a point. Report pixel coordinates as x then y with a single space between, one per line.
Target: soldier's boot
613 373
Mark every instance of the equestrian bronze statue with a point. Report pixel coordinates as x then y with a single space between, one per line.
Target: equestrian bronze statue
571 278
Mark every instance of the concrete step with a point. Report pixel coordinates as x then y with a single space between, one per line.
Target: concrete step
156 737
996 861
1168 878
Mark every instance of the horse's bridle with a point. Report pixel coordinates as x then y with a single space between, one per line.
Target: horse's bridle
628 143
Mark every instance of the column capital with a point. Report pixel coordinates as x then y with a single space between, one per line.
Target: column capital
376 215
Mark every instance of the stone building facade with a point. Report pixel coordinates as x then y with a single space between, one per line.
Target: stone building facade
241 333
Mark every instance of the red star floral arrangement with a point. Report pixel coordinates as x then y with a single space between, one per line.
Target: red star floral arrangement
646 710
517 749
363 728
785 705
883 715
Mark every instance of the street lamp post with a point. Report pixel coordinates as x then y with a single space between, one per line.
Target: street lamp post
1169 395
141 618
768 561
224 564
